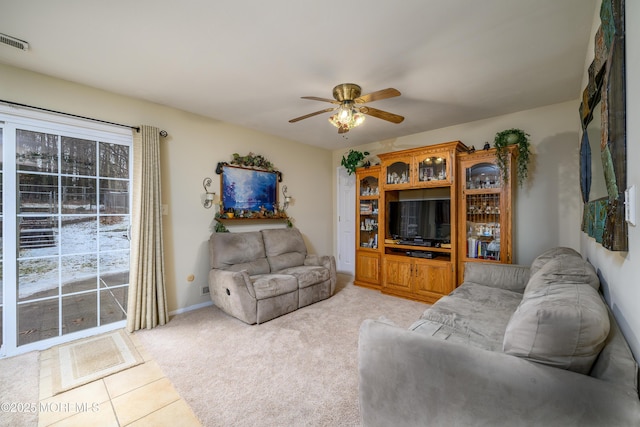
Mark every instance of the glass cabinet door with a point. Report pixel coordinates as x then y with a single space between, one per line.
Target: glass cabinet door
369 224
369 192
482 202
369 186
399 173
483 176
433 168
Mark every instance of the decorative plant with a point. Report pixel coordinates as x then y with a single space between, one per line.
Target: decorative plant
353 159
220 228
513 137
253 161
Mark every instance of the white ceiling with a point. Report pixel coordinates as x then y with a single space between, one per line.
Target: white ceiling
248 62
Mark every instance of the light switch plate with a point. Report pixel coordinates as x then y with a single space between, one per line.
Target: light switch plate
630 205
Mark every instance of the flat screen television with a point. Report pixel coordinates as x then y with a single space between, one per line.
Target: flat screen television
420 220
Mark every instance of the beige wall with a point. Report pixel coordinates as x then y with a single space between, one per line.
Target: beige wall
548 208
620 271
190 153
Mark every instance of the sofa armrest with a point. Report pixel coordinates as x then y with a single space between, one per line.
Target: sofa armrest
326 261
317 260
505 276
408 379
236 280
233 293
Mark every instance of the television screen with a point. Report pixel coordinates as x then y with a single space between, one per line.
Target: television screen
428 219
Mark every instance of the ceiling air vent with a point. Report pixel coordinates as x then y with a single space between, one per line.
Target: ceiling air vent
12 41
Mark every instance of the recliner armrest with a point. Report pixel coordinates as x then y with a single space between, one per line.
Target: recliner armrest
326 261
232 292
317 260
237 280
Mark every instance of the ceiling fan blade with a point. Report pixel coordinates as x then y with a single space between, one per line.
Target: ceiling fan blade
384 115
378 95
315 98
306 116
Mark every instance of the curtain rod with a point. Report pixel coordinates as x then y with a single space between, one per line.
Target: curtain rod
137 129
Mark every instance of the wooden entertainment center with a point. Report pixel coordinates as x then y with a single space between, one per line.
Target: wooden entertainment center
458 199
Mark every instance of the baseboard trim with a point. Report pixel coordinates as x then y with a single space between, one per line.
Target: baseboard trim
190 308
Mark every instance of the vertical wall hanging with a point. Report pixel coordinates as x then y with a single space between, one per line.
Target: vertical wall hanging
603 158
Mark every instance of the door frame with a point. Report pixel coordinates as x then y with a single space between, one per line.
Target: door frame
11 117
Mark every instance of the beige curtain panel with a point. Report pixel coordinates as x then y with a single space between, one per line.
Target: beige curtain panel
147 305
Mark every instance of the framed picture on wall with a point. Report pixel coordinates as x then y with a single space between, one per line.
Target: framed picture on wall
250 190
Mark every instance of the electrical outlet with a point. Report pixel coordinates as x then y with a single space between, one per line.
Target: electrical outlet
204 290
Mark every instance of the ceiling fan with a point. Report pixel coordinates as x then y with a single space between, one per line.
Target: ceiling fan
350 111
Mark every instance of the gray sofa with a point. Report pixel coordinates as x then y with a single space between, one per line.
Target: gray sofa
513 345
260 275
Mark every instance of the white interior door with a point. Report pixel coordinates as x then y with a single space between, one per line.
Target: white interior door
346 222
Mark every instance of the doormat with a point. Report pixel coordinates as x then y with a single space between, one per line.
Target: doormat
90 359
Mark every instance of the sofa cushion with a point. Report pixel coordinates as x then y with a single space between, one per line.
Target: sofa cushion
238 251
308 275
284 248
510 277
548 255
472 314
272 285
564 325
564 269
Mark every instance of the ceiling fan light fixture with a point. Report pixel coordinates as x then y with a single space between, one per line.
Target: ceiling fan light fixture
345 113
350 112
346 117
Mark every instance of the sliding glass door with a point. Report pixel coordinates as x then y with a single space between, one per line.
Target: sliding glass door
1 242
66 218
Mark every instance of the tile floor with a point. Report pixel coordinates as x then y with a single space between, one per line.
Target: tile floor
139 396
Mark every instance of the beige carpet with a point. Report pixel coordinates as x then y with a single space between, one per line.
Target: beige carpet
299 369
19 384
80 362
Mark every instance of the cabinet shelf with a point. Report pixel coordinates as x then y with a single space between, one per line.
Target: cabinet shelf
418 248
483 191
